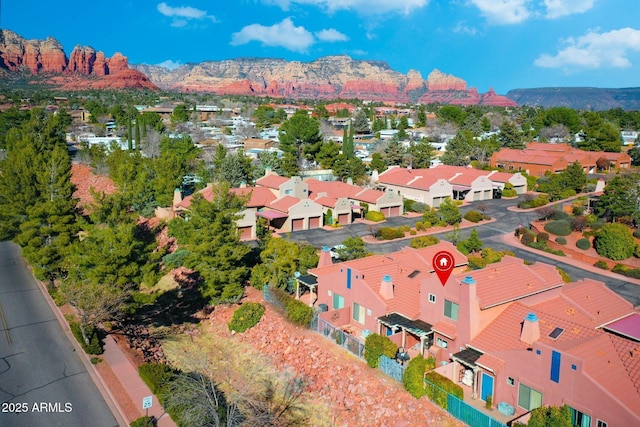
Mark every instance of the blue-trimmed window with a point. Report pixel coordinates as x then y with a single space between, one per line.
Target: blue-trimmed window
348 278
555 366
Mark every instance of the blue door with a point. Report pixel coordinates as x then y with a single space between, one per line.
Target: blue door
487 386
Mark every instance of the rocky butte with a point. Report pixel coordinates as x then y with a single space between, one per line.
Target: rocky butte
84 69
329 77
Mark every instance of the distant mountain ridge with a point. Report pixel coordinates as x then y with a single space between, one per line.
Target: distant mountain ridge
85 68
579 98
328 77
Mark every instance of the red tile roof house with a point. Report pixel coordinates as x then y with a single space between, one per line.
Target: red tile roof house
511 330
431 186
538 158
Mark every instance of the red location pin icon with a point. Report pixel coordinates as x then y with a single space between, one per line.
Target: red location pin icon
443 265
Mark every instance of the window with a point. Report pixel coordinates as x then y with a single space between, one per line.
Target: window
555 366
432 298
529 398
338 301
574 367
602 424
358 313
579 419
451 310
441 343
511 381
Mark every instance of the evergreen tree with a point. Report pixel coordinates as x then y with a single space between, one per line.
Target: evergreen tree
297 132
421 153
395 152
377 163
360 122
459 149
210 235
347 144
509 136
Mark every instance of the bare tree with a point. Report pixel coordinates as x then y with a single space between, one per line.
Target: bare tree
545 212
151 144
272 406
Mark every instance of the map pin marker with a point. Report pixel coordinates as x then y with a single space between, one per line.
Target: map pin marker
443 265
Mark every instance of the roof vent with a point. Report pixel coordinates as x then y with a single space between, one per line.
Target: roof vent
468 280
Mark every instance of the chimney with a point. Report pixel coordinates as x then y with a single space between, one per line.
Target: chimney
325 257
530 329
177 197
469 310
350 181
386 287
243 184
267 171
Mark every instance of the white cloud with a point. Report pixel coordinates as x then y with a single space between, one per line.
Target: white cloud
183 14
594 50
331 35
170 64
365 7
283 34
462 28
504 11
558 8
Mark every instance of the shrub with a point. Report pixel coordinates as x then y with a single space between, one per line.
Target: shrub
558 215
246 316
413 377
95 336
145 421
405 228
175 259
583 244
376 345
615 241
474 216
426 225
597 225
298 312
569 192
509 193
601 264
578 210
419 226
374 216
424 241
527 238
489 403
626 271
561 241
565 276
156 376
413 232
559 228
443 385
389 233
542 237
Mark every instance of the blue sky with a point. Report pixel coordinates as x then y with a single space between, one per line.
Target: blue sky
504 44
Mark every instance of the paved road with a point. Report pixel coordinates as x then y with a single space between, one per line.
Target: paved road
490 234
40 373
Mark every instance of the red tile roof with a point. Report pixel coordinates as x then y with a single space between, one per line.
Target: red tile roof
273 181
258 196
446 329
510 279
338 189
600 304
283 204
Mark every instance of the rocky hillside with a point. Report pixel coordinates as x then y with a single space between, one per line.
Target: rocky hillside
325 78
580 98
85 68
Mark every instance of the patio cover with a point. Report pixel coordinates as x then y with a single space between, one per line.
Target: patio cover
416 327
468 356
308 279
271 214
460 187
356 207
627 327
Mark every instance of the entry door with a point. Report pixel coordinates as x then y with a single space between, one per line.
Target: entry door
487 386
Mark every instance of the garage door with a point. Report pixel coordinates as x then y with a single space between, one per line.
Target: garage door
386 212
343 218
476 196
437 201
487 195
395 211
314 222
297 224
245 233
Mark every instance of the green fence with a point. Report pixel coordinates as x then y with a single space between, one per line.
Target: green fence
459 409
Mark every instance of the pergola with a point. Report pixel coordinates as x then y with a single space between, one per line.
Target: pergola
419 328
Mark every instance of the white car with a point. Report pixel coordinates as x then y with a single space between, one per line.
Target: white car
334 251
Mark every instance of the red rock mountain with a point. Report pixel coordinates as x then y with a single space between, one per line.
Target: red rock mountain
84 69
325 78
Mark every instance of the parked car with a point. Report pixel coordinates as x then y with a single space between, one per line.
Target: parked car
334 251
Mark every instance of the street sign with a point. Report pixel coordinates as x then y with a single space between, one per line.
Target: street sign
147 402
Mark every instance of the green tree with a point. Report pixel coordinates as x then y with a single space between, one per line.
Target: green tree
181 113
449 212
280 260
320 111
329 152
353 168
451 114
360 122
235 169
473 244
600 135
395 153
297 132
209 232
615 241
620 198
352 248
550 416
510 136
459 149
347 142
377 163
421 153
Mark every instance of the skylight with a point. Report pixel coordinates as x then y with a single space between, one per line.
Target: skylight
556 333
414 273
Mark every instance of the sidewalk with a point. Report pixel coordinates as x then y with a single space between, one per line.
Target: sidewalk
128 376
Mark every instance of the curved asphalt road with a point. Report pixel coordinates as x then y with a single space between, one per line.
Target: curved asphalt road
42 379
490 234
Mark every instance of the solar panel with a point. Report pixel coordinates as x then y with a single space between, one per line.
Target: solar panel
556 333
